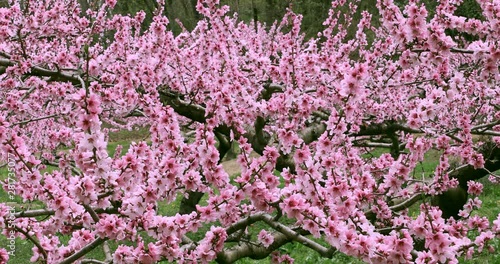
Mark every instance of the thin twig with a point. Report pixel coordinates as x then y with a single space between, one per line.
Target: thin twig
33 120
34 241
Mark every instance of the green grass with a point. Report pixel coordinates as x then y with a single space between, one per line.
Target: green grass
490 208
22 247
301 254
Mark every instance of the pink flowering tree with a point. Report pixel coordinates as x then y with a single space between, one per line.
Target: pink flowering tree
311 109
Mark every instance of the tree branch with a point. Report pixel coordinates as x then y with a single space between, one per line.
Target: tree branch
407 203
312 133
93 261
489 125
251 250
244 223
107 252
23 122
45 212
35 242
291 234
454 50
83 251
372 145
91 212
39 71
283 236
191 111
384 128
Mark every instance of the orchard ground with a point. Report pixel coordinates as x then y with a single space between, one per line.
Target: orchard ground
490 208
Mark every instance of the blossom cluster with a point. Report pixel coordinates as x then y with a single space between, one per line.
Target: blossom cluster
304 115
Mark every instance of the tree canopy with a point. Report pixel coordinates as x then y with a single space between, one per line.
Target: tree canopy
304 115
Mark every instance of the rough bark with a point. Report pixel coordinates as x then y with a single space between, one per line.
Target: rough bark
282 236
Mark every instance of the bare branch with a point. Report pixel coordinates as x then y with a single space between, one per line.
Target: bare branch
454 50
189 110
244 223
270 89
33 120
34 241
251 250
93 261
291 234
83 251
107 252
312 133
189 244
285 235
45 212
39 71
27 93
400 206
91 212
407 203
487 132
384 128
489 125
53 164
373 145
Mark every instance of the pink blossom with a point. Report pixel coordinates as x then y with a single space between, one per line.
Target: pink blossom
111 226
265 238
294 205
330 131
4 255
474 188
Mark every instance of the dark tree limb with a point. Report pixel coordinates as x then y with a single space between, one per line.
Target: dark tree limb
196 113
39 71
454 50
452 201
259 140
188 204
191 111
224 144
312 133
491 155
269 90
395 151
383 129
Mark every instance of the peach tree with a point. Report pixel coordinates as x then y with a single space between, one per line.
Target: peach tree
303 115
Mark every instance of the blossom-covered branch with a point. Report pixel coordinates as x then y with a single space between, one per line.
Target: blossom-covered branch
329 133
